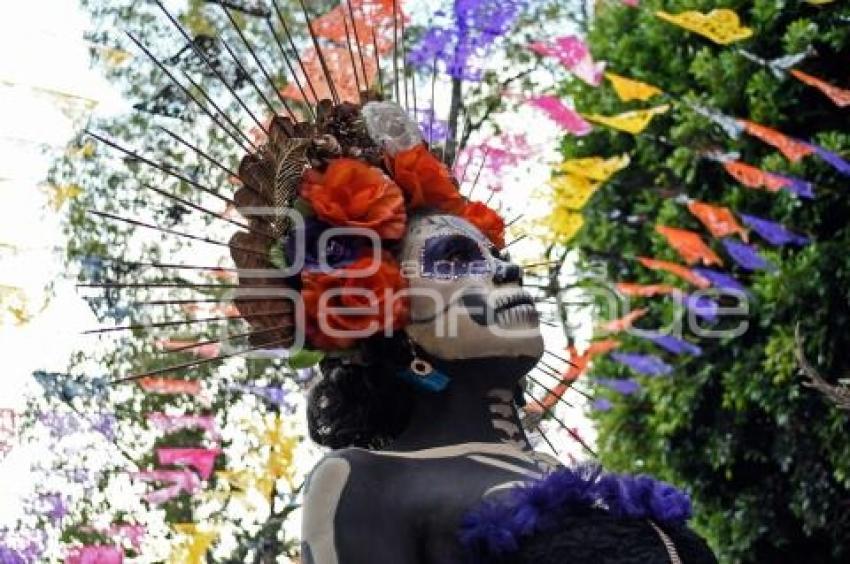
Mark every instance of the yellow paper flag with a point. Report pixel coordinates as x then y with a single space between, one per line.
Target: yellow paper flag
571 191
564 224
115 57
820 2
61 194
722 26
85 151
628 89
193 547
631 122
248 480
595 168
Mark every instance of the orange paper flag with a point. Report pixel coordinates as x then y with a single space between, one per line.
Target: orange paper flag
645 290
793 149
717 219
689 244
839 96
753 177
338 61
205 350
681 271
169 386
625 322
366 15
577 368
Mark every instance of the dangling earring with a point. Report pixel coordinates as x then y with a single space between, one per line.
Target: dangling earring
421 373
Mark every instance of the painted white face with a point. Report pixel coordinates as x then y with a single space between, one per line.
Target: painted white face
466 301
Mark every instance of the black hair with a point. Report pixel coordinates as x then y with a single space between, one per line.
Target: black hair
600 538
365 403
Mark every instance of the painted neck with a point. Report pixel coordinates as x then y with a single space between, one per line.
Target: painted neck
477 406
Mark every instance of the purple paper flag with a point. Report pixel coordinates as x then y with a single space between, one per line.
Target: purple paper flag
622 386
275 395
461 43
432 128
646 364
601 404
105 424
57 508
834 160
701 305
746 256
9 556
675 345
802 188
60 424
773 232
721 280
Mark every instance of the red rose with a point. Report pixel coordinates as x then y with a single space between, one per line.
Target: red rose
352 193
341 308
426 181
486 220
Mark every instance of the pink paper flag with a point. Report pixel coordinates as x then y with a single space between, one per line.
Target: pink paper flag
201 459
172 423
95 554
180 480
566 117
573 53
496 154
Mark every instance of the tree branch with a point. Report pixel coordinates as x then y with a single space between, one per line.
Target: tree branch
839 395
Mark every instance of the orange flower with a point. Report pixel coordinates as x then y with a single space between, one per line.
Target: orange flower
352 193
341 308
425 180
486 220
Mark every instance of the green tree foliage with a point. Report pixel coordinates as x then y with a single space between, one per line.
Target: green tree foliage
767 460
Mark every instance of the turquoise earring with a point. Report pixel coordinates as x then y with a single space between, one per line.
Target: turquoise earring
422 374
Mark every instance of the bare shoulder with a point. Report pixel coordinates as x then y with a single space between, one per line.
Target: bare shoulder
330 476
344 488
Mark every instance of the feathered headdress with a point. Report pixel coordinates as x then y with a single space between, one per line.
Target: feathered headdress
360 164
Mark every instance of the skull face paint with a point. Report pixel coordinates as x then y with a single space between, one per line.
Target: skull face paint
466 301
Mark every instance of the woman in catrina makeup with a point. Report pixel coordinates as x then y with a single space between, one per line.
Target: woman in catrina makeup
429 463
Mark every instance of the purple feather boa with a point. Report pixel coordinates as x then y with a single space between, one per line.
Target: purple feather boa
496 528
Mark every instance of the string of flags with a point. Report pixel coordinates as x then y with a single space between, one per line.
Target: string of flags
180 471
575 181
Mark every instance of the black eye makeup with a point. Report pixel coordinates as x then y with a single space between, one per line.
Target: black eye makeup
453 256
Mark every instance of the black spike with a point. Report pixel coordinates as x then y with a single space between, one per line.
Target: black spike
180 322
162 168
172 231
229 337
292 72
351 54
200 152
295 50
194 99
320 54
572 433
251 81
198 362
359 45
259 63
206 61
